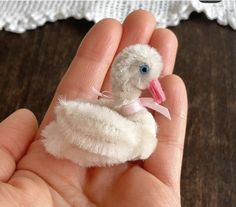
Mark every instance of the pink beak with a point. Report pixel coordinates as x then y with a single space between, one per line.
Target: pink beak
156 91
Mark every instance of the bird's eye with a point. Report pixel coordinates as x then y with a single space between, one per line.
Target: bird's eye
144 69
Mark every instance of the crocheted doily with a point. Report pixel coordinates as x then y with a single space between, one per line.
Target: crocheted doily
19 16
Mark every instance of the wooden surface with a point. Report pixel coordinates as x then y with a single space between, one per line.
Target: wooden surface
32 64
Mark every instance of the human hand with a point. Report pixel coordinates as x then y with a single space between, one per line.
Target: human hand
39 179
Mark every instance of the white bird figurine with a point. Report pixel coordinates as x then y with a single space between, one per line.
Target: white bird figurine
112 131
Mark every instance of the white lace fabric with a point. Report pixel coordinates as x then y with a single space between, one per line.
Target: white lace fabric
19 16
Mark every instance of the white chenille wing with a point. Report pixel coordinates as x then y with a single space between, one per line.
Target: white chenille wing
91 128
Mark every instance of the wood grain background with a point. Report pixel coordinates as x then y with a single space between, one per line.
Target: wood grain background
31 65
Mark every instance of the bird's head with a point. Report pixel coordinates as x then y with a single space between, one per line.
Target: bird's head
134 69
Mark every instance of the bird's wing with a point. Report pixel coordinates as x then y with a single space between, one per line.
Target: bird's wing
96 128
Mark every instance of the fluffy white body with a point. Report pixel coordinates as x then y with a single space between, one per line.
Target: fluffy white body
97 134
94 135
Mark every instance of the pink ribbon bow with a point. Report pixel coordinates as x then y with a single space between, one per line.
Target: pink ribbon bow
138 105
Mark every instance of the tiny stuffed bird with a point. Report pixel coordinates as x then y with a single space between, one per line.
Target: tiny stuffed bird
115 130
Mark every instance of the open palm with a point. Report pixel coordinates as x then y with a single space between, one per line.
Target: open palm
31 177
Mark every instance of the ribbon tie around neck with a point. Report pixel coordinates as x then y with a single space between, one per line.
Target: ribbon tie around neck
137 105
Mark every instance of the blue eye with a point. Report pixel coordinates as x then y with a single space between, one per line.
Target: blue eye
144 69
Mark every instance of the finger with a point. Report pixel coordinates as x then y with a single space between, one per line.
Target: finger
137 28
90 64
16 133
166 162
166 43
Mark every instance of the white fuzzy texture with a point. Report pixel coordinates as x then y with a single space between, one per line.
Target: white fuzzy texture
97 134
19 16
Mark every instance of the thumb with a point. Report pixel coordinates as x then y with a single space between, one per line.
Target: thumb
16 133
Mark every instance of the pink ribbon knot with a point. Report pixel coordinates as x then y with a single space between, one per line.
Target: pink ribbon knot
138 105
